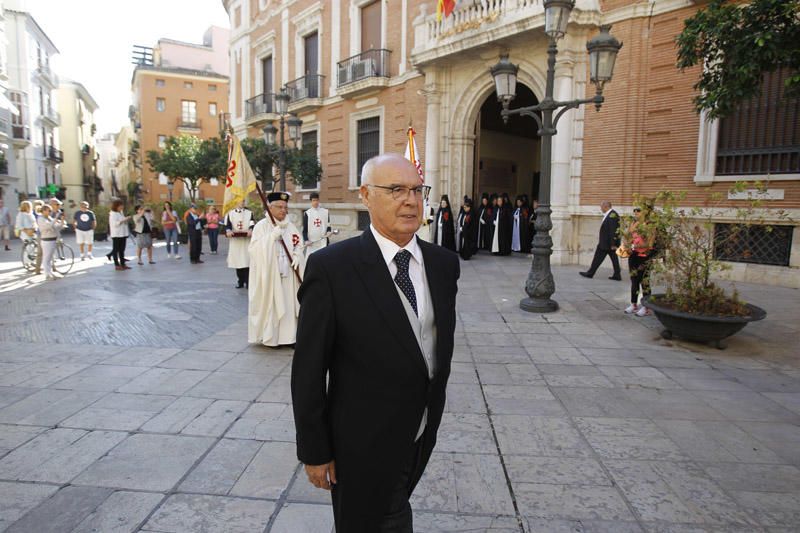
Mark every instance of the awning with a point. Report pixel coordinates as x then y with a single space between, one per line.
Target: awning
5 103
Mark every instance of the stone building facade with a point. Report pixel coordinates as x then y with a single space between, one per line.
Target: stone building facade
359 71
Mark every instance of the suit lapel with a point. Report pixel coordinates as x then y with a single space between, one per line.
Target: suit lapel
381 288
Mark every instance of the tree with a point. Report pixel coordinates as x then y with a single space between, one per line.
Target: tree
189 160
736 44
304 168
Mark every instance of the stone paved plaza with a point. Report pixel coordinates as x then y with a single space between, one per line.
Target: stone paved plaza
131 401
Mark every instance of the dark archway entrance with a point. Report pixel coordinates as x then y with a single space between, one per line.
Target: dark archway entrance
506 155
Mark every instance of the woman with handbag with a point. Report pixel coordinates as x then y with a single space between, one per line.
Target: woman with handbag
143 221
641 250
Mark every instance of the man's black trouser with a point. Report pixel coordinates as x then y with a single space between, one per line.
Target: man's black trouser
195 245
599 257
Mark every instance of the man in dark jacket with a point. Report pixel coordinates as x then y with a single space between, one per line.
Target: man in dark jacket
372 360
607 244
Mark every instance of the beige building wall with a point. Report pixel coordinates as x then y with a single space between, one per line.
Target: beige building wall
77 135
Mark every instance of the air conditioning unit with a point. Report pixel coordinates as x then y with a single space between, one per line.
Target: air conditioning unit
344 74
359 70
300 92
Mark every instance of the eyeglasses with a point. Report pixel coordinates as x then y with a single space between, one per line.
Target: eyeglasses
400 192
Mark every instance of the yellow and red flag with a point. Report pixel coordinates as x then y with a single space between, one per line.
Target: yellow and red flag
412 154
240 179
444 8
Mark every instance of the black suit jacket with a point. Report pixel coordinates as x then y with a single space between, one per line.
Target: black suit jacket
353 330
608 232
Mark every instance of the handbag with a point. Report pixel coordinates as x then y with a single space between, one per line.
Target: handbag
623 251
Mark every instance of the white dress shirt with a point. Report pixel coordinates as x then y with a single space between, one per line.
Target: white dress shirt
415 266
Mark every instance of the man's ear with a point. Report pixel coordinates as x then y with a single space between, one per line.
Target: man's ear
364 191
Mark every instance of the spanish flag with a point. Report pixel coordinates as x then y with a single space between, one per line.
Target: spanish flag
240 179
444 8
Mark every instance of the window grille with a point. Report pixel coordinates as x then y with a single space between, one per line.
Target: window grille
368 143
761 245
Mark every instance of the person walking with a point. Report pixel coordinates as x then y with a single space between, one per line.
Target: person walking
5 225
119 231
316 225
212 228
607 244
85 223
372 359
239 225
143 226
642 239
195 222
49 230
25 224
169 223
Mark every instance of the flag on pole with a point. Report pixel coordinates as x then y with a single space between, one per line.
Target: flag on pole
240 179
444 8
412 154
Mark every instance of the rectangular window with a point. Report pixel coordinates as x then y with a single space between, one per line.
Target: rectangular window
311 44
162 141
188 112
188 85
368 140
763 135
161 105
266 74
762 245
309 142
160 83
212 87
371 26
212 109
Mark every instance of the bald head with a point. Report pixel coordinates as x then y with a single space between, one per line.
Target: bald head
605 206
385 167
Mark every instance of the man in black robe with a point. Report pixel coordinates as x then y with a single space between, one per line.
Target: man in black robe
501 241
521 237
485 223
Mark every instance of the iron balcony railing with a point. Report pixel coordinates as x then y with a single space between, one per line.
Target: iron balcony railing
53 154
262 103
189 123
369 64
309 86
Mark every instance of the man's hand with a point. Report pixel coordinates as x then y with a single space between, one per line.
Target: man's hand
228 233
322 476
295 261
277 233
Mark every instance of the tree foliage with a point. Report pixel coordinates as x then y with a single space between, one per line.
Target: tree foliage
190 160
302 166
735 44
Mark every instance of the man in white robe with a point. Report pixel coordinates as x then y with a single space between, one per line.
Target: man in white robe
239 225
275 276
316 225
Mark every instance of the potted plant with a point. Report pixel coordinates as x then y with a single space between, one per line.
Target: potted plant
687 244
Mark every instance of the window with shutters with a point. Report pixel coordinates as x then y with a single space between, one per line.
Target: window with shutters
188 113
371 26
309 142
763 135
266 75
367 142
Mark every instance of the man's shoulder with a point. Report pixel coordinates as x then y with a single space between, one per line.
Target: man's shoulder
338 253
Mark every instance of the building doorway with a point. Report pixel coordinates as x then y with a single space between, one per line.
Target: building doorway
506 155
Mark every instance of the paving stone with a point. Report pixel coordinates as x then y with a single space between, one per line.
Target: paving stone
177 415
62 512
165 381
771 509
539 525
703 379
638 376
13 436
215 420
612 357
509 374
539 435
500 354
116 411
555 470
764 380
269 473
789 400
105 378
279 390
142 356
221 468
39 374
264 362
466 433
122 512
780 437
518 399
220 344
591 341
432 522
464 398
303 518
230 386
716 441
16 499
190 513
682 405
556 355
543 340
9 395
460 372
146 462
571 502
754 477
197 360
265 421
58 455
597 402
47 407
628 438
737 405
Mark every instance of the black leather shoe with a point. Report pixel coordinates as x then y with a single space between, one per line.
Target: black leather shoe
585 275
240 286
615 278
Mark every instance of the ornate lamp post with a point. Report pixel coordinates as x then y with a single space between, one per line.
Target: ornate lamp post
603 50
286 119
170 186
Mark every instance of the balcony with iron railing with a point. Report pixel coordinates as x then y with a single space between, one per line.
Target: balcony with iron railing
473 24
189 124
51 116
46 76
260 109
305 94
363 72
54 154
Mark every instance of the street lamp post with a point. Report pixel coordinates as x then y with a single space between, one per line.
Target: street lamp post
170 186
603 50
286 119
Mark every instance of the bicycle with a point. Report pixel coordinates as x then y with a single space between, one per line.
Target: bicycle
63 257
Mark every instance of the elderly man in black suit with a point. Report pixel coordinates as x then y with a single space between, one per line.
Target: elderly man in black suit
374 345
608 243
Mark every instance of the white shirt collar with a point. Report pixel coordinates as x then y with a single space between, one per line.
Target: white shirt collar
605 215
389 249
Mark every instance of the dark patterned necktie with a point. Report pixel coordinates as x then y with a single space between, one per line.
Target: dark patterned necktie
402 278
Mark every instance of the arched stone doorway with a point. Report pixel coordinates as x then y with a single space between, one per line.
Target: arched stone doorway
506 155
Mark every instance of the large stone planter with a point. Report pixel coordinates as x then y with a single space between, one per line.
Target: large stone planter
700 328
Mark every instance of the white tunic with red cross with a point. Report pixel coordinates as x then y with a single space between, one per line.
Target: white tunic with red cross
317 228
